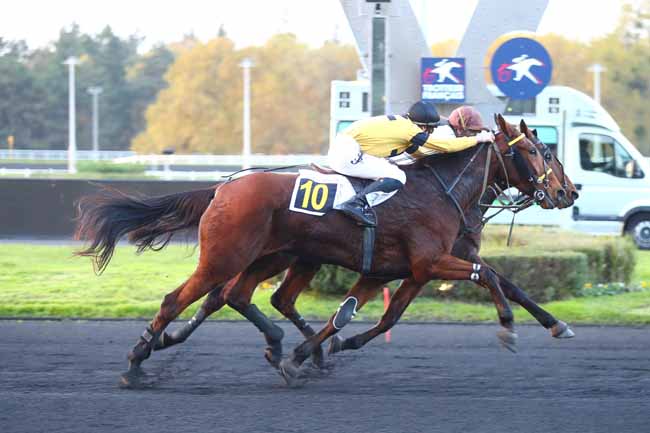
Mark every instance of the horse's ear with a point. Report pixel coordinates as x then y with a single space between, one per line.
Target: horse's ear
535 132
501 123
524 128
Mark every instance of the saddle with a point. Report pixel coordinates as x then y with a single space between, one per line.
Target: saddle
368 231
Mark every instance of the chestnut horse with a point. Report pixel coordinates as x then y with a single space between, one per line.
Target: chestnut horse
248 222
301 273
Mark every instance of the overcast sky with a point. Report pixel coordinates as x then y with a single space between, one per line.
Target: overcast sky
251 22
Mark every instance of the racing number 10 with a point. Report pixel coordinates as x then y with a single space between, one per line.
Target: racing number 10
316 195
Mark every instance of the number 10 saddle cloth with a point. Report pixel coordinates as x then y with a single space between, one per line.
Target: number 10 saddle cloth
316 193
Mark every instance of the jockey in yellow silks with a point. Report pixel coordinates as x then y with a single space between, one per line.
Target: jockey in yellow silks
362 149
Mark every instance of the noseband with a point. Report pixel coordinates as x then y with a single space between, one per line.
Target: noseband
524 170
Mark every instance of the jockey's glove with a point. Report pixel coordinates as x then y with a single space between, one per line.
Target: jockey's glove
484 137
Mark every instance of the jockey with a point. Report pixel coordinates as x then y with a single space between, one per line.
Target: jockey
466 121
361 151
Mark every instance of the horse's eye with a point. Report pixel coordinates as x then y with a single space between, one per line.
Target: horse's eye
548 156
533 151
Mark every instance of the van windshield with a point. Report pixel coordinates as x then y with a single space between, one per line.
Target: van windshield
604 154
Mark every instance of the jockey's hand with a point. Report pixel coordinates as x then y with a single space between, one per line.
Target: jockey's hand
484 137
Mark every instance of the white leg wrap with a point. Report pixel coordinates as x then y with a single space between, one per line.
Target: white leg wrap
474 276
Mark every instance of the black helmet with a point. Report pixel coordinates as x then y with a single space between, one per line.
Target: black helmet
423 113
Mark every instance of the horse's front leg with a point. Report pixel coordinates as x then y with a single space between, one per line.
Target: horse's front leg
362 292
448 267
238 294
467 247
400 300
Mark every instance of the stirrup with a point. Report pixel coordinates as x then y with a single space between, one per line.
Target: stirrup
364 216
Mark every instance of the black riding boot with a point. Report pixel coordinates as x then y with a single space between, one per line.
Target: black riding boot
354 208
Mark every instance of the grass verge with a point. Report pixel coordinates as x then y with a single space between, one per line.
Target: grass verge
47 281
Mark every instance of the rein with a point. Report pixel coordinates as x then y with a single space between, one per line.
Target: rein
448 189
515 205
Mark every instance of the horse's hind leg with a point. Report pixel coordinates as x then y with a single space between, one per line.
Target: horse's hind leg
200 283
212 303
298 276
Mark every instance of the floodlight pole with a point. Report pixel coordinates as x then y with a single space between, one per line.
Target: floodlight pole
95 91
72 129
246 65
597 69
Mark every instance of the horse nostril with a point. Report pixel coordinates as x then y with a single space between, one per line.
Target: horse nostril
574 195
561 193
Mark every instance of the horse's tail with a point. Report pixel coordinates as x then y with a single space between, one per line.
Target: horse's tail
150 222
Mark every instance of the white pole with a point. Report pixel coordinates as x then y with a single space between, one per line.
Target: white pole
246 65
72 129
95 91
597 69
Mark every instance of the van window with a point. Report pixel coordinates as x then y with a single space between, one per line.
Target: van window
342 124
520 106
547 135
604 154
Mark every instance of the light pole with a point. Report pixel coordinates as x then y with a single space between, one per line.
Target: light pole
95 91
72 128
597 69
246 65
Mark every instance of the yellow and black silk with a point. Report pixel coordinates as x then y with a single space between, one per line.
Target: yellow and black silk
385 136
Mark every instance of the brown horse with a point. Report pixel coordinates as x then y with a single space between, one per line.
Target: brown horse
248 221
301 273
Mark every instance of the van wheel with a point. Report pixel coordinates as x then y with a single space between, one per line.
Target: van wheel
639 229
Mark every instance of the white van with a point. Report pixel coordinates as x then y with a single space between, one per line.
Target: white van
613 178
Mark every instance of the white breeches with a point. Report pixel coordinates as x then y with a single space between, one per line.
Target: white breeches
344 157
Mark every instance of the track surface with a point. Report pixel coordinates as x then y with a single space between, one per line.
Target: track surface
62 376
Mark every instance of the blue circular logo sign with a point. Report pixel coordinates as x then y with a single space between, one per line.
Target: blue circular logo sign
521 68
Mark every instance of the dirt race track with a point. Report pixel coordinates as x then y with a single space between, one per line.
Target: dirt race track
62 376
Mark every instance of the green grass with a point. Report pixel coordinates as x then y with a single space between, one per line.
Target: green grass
47 281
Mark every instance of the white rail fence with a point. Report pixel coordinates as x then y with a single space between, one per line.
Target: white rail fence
159 165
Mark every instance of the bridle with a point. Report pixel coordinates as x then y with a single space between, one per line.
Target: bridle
549 156
520 164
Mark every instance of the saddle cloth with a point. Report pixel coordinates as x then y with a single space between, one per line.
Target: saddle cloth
315 193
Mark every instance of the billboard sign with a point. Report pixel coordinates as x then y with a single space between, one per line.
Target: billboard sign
442 79
521 68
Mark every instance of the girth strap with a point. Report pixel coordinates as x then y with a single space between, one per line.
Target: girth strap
368 248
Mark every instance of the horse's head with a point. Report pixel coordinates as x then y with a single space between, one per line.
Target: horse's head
569 194
525 166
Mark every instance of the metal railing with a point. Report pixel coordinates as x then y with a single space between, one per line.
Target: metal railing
155 160
258 160
62 155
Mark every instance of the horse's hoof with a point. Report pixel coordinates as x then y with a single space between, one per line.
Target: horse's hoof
290 372
508 339
318 358
132 379
272 358
562 330
336 345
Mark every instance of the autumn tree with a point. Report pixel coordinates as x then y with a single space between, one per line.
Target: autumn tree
201 110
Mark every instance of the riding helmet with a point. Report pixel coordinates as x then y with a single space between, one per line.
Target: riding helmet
466 119
423 113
